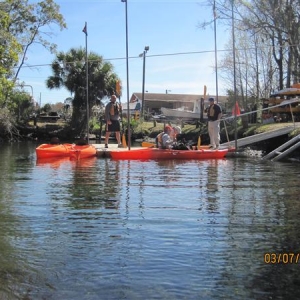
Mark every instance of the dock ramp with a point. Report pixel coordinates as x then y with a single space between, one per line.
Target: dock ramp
259 137
284 149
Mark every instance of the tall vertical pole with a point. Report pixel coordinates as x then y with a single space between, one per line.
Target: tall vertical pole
216 52
144 71
143 87
127 74
87 85
234 75
257 73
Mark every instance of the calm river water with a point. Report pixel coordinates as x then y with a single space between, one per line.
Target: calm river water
103 229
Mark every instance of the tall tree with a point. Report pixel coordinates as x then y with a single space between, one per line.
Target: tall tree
9 51
276 23
69 71
267 39
22 105
22 24
30 24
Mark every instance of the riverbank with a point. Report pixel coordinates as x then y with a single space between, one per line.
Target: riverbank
145 131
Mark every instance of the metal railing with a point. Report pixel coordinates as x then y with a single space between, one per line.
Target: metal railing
283 103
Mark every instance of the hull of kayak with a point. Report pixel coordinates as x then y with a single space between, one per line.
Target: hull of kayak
156 154
65 150
84 151
49 150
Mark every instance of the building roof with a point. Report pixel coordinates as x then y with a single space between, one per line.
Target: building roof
168 97
173 97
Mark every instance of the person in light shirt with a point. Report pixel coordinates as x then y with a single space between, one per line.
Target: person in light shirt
214 114
176 130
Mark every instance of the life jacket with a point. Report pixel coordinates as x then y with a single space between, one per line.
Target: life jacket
114 109
213 112
159 140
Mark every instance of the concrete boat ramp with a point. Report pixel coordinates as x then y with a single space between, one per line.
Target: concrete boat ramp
278 153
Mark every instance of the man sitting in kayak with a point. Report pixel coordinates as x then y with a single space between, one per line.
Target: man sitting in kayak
164 139
168 139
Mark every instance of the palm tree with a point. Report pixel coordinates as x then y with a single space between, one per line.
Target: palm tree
69 71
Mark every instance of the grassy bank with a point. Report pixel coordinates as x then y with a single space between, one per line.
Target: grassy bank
151 129
143 130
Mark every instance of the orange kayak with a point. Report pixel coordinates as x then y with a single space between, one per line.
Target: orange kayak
155 153
49 150
82 151
65 150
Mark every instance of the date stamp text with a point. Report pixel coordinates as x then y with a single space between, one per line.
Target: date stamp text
281 258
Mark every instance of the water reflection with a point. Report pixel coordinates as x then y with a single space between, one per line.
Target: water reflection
212 186
102 229
168 171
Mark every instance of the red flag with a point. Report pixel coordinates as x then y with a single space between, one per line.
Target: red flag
236 109
85 29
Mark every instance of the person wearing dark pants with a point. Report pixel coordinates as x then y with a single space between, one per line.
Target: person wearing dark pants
112 119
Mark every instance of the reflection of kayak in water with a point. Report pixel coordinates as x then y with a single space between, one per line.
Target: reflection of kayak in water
55 162
155 153
84 163
65 150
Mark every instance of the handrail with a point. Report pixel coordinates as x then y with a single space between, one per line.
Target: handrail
284 102
258 110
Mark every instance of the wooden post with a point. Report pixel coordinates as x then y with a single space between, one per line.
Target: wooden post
101 123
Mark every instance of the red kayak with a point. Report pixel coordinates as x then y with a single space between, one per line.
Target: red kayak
155 153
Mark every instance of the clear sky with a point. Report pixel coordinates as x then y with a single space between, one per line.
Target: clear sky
181 57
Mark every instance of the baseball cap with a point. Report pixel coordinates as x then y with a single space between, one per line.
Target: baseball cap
211 99
177 129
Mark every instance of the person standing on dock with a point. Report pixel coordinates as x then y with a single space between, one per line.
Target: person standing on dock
214 114
112 119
